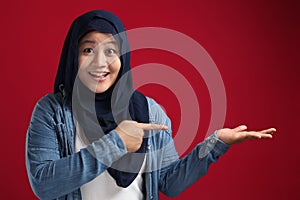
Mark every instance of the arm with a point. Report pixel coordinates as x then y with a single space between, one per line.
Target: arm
182 173
175 174
178 174
52 176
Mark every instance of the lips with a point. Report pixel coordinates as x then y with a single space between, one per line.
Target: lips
99 76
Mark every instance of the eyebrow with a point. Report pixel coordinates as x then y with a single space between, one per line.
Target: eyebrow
94 42
87 42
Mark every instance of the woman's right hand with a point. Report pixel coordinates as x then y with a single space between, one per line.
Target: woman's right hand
132 133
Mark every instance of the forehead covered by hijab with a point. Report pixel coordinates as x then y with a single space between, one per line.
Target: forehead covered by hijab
99 20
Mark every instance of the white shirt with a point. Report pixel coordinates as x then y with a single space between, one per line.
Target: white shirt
104 186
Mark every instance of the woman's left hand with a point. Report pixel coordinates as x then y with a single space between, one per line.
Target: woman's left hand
239 134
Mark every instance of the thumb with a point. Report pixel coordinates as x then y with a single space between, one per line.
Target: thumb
240 128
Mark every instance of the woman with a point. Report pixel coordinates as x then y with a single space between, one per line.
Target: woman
97 138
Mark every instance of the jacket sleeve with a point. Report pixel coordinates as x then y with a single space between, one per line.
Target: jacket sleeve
175 174
182 173
51 175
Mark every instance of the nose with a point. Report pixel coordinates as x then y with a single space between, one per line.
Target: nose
100 60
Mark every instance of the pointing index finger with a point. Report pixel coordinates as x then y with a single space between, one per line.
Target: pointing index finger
148 127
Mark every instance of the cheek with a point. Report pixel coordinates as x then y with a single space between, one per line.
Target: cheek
83 61
80 67
116 66
81 75
80 61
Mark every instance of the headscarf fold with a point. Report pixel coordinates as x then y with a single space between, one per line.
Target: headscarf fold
98 114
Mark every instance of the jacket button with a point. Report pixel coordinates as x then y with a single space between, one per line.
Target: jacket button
213 141
149 146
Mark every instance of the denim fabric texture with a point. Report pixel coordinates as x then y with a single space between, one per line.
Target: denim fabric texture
55 171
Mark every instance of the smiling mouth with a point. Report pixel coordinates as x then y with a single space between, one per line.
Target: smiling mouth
98 75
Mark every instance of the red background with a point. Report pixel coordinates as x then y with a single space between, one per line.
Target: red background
255 45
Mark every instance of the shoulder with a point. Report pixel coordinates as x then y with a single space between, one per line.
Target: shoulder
50 99
49 102
46 107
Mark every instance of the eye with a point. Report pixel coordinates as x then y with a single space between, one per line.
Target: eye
110 52
88 50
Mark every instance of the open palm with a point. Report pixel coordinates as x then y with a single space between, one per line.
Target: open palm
240 134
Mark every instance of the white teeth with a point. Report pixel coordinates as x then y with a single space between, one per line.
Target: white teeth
98 74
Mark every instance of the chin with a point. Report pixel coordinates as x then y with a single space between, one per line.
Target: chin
100 90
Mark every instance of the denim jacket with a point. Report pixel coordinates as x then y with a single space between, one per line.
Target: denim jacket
55 171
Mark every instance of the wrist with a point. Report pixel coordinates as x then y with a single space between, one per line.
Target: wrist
220 135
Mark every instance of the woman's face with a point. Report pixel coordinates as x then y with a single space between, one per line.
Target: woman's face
98 61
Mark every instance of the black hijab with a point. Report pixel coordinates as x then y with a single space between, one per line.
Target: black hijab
98 114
